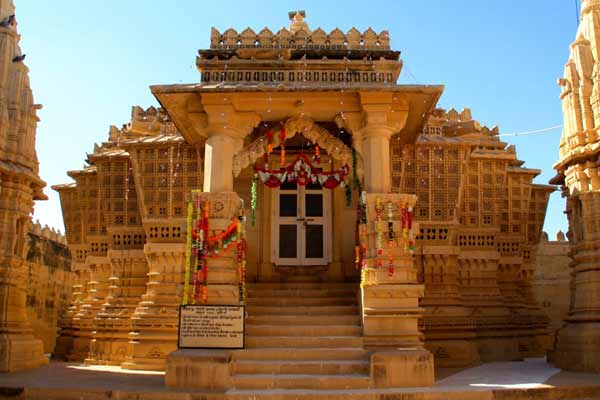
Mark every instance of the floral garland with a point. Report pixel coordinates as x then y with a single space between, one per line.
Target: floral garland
241 253
201 246
254 198
379 231
302 172
363 235
390 239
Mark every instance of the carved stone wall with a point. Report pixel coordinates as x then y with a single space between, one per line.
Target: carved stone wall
49 283
551 281
481 218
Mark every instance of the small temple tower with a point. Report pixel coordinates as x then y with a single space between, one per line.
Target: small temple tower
20 185
578 342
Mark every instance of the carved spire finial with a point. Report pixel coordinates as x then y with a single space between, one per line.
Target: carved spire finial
297 18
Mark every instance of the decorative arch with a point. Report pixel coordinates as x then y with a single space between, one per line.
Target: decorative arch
305 126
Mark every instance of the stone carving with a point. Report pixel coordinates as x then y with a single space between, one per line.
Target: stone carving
298 36
20 185
307 128
577 346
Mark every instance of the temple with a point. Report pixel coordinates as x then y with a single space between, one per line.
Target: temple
455 287
369 235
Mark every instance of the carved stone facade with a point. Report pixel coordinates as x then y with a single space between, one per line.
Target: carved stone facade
49 283
20 185
465 297
480 220
578 343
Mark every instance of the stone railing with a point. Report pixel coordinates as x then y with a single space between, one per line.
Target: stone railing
353 39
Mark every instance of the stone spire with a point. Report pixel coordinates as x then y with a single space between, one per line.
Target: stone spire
577 347
20 185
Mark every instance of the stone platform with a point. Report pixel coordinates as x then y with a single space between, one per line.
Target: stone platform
530 379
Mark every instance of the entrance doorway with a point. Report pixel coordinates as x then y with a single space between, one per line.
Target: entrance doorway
301 225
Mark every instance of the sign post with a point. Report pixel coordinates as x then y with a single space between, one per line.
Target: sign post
211 327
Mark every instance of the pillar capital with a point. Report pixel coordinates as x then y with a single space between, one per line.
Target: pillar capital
224 120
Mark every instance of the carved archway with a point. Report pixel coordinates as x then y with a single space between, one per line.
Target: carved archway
305 126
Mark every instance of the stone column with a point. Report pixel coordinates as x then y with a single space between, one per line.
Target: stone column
391 309
376 156
184 366
155 320
128 276
18 347
578 342
99 268
218 166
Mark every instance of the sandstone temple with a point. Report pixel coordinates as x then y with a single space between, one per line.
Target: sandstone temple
369 234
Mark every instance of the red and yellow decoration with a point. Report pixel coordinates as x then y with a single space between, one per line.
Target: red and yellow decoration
202 245
402 214
303 172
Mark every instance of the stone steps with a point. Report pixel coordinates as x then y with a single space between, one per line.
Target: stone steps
300 342
302 336
284 301
310 292
310 367
302 310
297 381
301 354
302 330
290 286
303 320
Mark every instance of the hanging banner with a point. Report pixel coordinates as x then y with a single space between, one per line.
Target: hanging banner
211 327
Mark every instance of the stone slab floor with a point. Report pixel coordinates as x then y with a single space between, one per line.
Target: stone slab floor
530 379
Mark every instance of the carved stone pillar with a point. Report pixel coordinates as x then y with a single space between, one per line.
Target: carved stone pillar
218 166
155 320
100 270
18 347
128 276
578 342
223 289
391 309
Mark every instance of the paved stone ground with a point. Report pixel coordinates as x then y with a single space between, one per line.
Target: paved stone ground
530 379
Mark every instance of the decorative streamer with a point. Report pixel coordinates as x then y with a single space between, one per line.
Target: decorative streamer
253 200
188 253
379 231
282 135
363 237
390 239
355 183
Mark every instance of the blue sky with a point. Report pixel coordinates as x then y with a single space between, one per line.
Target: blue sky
90 61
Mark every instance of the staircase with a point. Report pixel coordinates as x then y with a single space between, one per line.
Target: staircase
302 336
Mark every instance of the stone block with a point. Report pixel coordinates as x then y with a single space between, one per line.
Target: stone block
199 369
402 368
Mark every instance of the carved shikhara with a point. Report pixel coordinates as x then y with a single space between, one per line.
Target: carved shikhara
577 346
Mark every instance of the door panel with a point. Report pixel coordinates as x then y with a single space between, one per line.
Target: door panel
301 225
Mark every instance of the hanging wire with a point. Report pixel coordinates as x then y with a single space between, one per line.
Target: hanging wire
405 68
537 131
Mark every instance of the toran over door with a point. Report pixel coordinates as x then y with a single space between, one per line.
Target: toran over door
300 225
